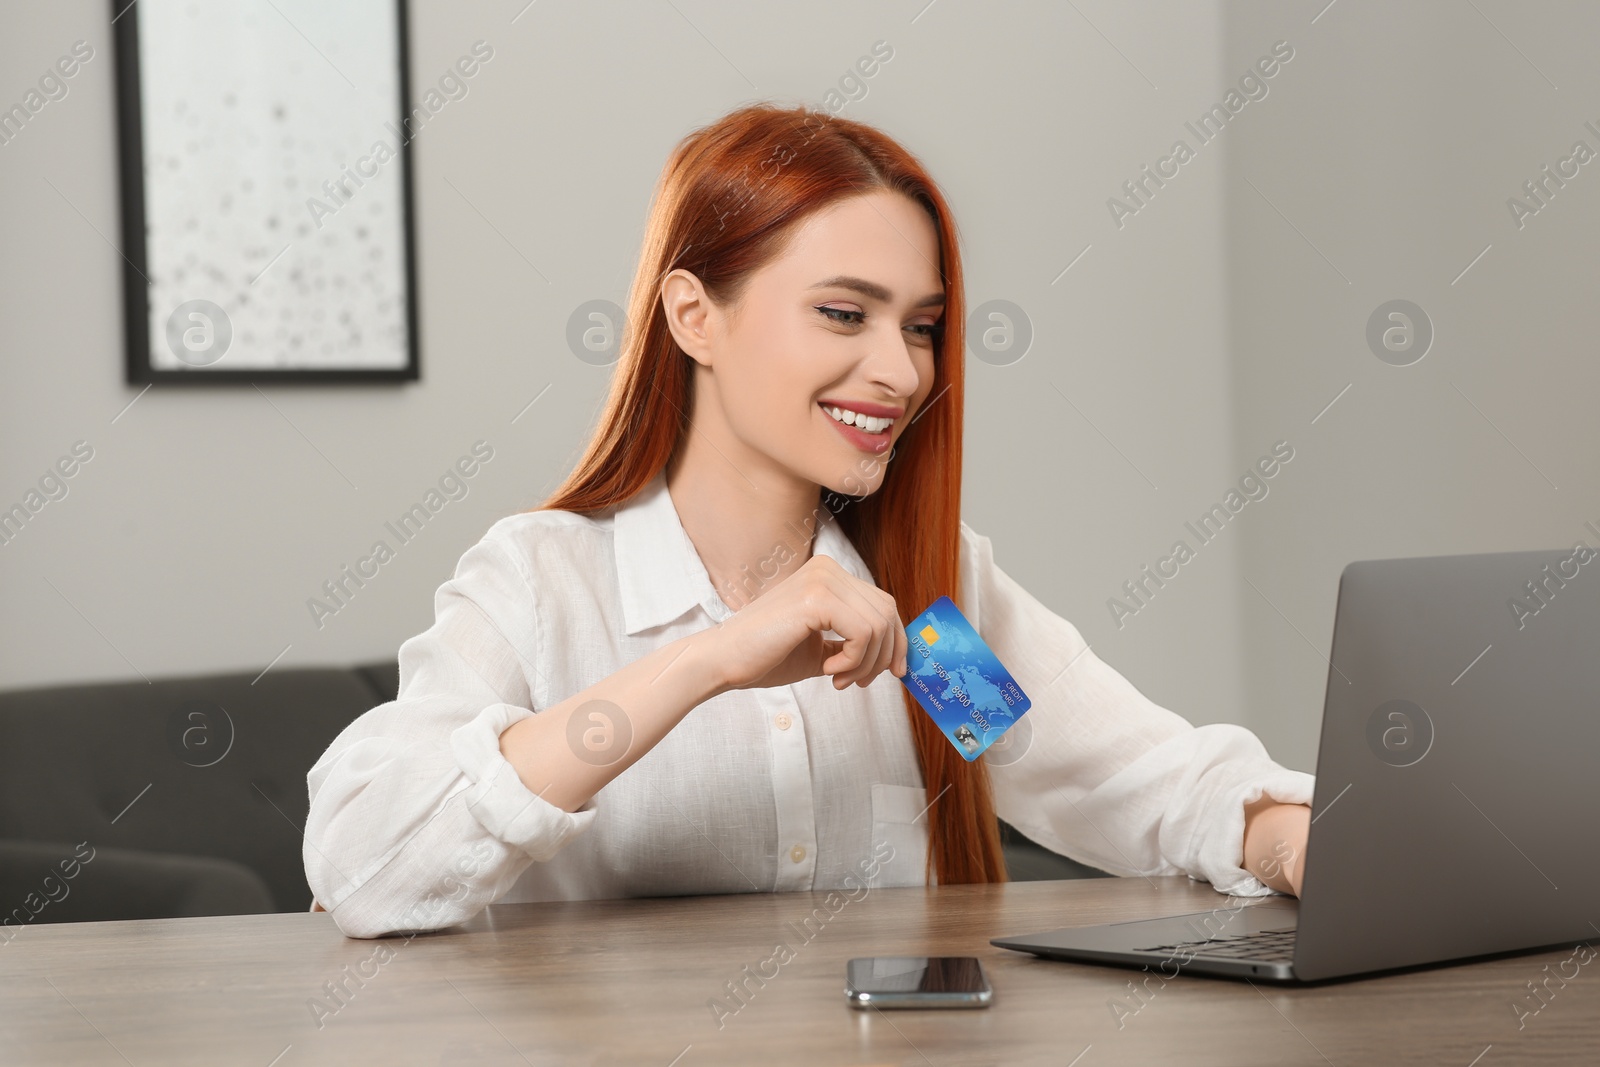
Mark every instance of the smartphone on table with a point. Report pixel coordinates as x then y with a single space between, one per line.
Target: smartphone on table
917 982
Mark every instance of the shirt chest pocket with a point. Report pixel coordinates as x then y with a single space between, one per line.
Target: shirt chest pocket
899 822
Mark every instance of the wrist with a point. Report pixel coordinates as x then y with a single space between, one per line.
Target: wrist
701 654
1274 842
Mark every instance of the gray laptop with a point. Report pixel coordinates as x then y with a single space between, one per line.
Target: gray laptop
1456 794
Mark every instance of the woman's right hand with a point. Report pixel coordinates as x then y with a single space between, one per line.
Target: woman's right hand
777 639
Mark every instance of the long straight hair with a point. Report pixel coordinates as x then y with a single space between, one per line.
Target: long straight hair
726 202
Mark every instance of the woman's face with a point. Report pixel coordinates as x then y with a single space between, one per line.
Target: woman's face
841 321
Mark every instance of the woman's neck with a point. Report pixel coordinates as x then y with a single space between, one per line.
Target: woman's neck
749 534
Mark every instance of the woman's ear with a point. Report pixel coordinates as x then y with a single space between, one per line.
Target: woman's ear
688 310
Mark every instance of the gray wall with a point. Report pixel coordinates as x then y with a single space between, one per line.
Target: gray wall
1221 317
1388 156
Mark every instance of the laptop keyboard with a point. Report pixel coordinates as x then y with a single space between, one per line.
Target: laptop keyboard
1272 945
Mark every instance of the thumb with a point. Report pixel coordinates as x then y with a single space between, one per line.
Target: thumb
830 649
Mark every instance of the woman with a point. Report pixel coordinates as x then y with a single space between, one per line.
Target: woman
680 674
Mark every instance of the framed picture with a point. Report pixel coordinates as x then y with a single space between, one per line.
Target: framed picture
266 191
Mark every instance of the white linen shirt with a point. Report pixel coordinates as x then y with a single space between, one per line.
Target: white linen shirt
417 821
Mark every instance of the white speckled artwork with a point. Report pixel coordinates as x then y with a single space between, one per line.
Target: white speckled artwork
275 222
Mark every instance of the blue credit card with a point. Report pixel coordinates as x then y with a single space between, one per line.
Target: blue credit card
958 681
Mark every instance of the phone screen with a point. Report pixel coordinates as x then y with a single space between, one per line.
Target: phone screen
923 981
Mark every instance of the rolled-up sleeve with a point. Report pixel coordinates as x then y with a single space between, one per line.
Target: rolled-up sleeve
1107 776
416 820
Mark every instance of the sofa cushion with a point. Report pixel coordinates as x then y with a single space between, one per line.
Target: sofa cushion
43 882
212 766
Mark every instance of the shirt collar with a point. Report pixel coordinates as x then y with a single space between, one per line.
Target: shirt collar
659 572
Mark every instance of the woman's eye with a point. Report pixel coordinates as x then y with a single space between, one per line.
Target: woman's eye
927 331
831 312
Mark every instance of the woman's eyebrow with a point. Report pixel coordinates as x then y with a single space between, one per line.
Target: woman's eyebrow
874 290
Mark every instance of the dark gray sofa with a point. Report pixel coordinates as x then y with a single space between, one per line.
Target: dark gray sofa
187 796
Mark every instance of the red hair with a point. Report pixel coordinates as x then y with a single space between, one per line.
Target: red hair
728 199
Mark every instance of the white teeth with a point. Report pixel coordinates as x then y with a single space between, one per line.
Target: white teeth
868 423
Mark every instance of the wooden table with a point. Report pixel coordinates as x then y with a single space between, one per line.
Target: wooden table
631 982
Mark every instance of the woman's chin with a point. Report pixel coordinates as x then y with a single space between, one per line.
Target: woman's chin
853 483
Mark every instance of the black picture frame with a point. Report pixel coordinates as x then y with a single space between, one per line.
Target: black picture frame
136 299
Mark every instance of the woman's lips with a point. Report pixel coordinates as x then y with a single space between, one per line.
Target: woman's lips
866 442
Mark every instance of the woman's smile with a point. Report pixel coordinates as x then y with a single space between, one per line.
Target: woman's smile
859 425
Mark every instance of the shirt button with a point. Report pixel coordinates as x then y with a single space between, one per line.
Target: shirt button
798 853
783 720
